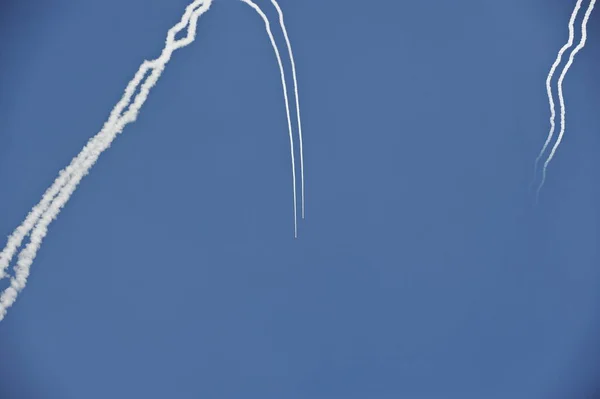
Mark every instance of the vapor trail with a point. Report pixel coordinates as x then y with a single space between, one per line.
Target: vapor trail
81 166
16 238
549 80
287 104
579 46
291 54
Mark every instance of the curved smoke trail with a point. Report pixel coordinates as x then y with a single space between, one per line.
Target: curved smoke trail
579 46
287 104
549 80
291 55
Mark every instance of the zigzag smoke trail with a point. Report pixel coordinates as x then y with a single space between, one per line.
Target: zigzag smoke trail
561 78
57 195
34 215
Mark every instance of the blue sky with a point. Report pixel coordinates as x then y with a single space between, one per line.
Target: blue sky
422 269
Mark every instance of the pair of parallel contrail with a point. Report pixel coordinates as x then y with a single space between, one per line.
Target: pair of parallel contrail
561 78
285 96
126 111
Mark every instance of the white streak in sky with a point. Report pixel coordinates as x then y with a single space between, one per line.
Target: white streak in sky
287 105
16 238
58 194
291 54
549 80
579 46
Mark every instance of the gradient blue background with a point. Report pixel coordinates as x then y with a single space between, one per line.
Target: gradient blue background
422 270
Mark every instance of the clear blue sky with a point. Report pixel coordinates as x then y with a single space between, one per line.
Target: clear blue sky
422 270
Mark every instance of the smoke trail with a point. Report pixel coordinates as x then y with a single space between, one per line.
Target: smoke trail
16 238
549 89
579 46
287 105
291 54
102 142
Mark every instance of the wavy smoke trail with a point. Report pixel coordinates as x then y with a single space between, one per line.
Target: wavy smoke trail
564 48
561 78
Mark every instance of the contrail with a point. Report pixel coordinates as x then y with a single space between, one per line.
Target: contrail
16 238
23 230
287 105
49 207
291 54
549 80
579 46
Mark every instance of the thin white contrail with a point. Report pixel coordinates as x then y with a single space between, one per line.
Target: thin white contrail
549 80
16 238
102 142
561 99
291 54
287 104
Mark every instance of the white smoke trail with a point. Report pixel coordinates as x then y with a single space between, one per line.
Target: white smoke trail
93 150
291 55
287 105
579 46
549 80
16 238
